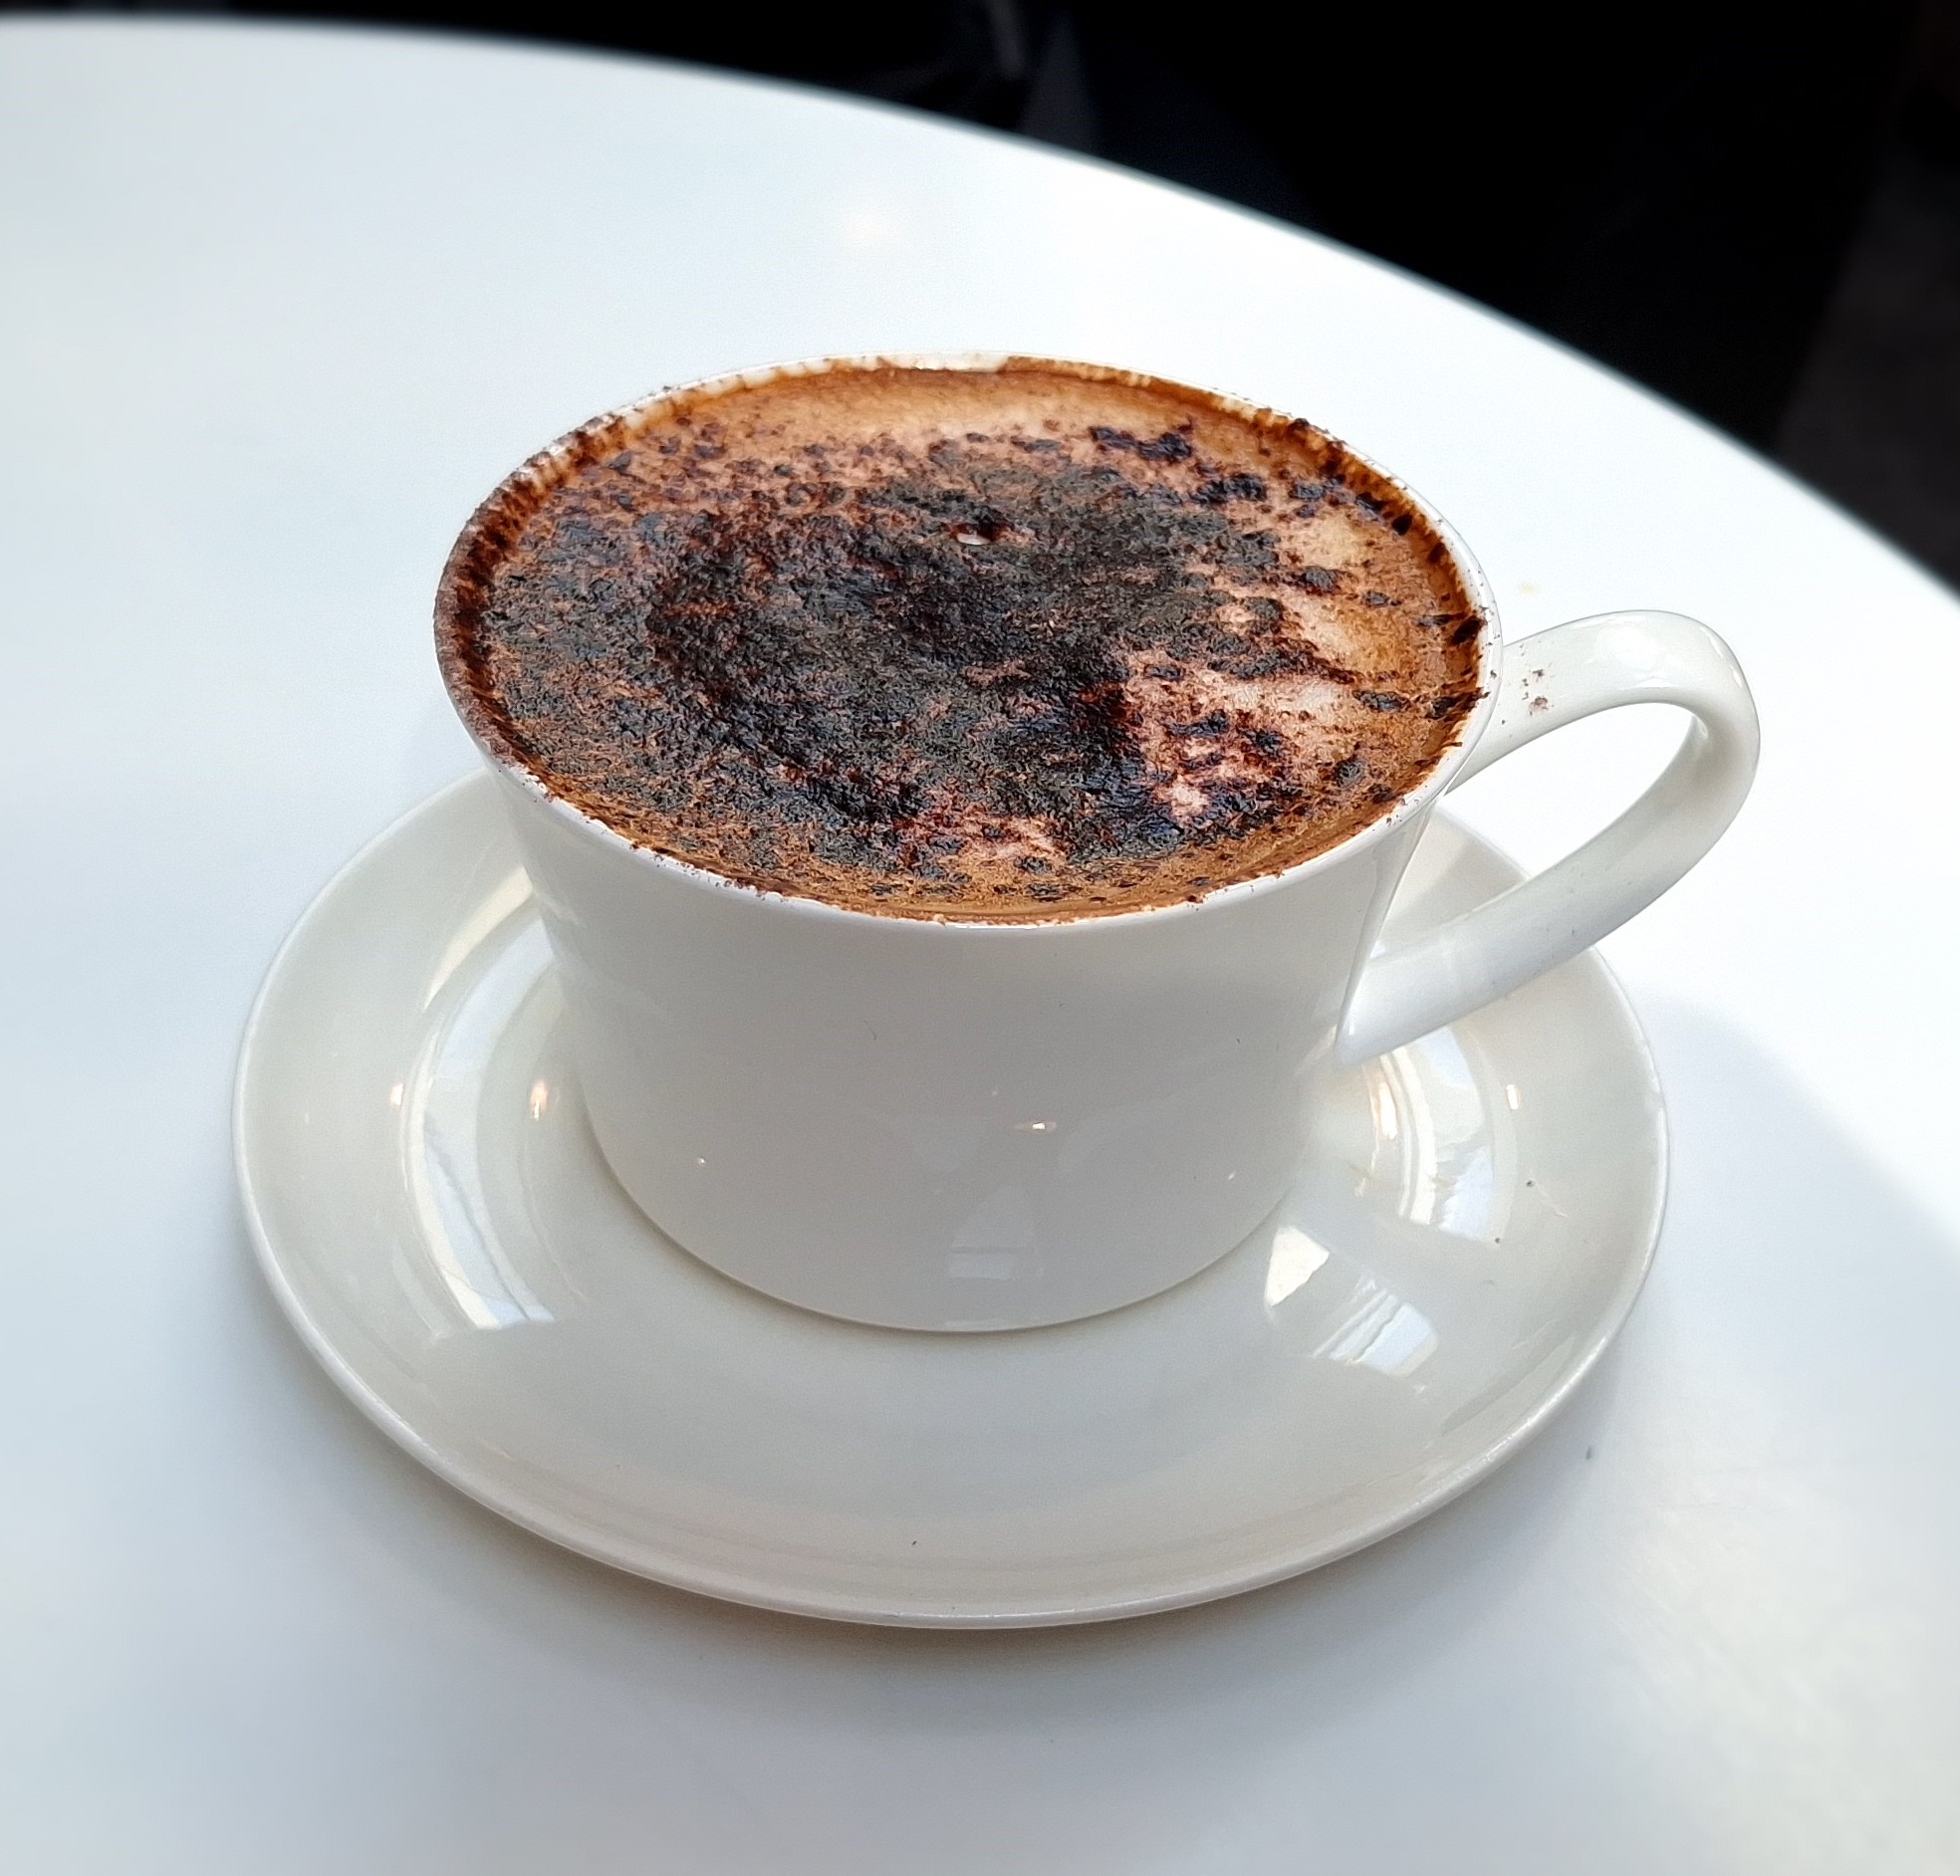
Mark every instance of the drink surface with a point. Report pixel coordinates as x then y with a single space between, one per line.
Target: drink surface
1011 645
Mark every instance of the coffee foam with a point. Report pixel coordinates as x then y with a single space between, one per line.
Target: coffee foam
1009 646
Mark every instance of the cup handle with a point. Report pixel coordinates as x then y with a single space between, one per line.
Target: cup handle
1551 679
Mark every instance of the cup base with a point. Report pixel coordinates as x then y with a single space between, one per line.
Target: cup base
999 1283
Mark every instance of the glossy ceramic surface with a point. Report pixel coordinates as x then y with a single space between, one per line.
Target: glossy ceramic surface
959 1126
1465 1231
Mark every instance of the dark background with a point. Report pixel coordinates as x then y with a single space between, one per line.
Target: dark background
1752 209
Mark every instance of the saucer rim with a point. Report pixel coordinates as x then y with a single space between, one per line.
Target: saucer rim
735 1587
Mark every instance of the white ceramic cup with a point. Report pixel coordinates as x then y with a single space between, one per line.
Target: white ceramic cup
931 1125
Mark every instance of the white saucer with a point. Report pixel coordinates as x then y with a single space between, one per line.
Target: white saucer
1471 1225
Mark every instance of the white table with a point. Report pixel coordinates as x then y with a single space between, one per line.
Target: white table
276 308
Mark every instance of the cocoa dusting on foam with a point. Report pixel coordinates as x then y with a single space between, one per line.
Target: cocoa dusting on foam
1010 645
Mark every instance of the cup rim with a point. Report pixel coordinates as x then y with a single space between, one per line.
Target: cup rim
548 465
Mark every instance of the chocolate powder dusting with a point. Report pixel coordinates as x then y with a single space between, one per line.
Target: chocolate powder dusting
1005 645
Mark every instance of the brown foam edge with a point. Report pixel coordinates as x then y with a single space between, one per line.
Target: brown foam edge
501 517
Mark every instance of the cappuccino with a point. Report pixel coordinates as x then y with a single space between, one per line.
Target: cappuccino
1009 646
